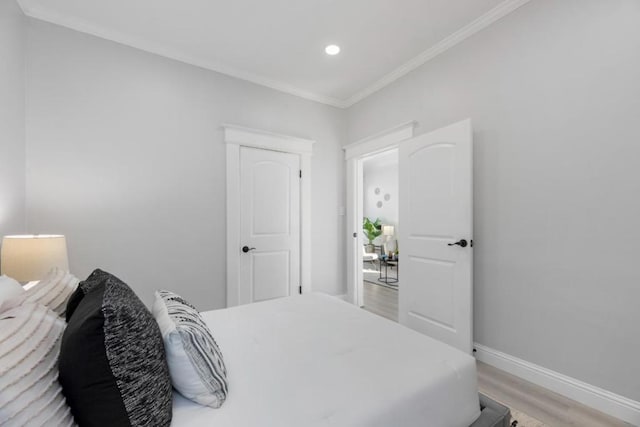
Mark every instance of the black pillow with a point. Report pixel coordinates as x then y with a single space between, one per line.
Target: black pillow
113 369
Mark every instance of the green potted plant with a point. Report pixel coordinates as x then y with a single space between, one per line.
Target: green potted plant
372 229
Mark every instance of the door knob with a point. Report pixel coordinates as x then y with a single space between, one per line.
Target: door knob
462 243
246 249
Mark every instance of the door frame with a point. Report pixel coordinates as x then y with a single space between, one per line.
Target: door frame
354 154
240 136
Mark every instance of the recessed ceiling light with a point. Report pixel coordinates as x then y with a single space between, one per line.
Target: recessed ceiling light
332 49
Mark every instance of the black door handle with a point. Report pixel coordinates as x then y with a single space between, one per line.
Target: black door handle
462 243
246 249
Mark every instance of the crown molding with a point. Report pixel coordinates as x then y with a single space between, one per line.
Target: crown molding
83 26
22 6
498 12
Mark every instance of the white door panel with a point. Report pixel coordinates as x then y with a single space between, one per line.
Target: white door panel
430 202
270 224
436 211
270 196
271 275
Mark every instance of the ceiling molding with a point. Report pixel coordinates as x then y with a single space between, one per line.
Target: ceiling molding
22 5
467 31
139 43
498 12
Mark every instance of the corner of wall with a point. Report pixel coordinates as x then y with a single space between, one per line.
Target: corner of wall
12 119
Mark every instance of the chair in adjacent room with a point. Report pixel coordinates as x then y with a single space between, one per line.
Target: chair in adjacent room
370 258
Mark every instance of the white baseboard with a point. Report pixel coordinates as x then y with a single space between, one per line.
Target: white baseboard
604 401
343 297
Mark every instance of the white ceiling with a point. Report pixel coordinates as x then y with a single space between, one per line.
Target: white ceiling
280 43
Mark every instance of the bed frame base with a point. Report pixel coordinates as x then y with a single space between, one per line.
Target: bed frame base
493 414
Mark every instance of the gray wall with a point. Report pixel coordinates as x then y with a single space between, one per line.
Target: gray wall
125 155
12 175
554 94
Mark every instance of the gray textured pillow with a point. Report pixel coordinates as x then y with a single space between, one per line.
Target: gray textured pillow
113 369
195 361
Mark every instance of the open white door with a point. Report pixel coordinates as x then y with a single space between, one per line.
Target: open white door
269 225
436 255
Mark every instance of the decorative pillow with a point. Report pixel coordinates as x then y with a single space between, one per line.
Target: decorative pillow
113 369
9 289
54 290
30 394
195 361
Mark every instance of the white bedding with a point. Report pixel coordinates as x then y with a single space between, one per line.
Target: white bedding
314 360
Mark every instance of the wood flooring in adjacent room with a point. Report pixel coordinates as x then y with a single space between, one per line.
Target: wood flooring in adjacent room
531 405
381 300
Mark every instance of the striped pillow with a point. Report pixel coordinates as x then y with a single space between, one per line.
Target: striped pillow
195 361
30 394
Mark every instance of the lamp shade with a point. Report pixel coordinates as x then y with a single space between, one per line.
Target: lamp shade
30 257
387 230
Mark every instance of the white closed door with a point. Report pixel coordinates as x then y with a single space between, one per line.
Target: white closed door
436 293
269 225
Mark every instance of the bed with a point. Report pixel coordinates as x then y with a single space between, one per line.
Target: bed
311 360
315 360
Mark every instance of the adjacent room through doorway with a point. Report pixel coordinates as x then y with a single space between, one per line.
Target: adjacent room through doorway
380 266
430 246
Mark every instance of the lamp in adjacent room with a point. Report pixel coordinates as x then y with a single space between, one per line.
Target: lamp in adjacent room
387 232
29 258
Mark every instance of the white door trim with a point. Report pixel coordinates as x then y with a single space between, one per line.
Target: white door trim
354 154
380 141
239 136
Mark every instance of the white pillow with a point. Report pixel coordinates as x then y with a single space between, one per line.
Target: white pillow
9 290
53 290
30 394
195 362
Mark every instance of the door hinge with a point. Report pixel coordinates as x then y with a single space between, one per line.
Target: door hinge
300 173
355 234
300 289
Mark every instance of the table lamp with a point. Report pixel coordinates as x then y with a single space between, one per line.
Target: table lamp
29 258
387 232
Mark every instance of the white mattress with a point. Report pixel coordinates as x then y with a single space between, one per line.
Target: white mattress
315 360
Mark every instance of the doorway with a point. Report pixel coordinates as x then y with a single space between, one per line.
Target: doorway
356 155
268 253
436 220
380 267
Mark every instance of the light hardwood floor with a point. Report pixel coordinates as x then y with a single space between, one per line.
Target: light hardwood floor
533 406
381 300
550 408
